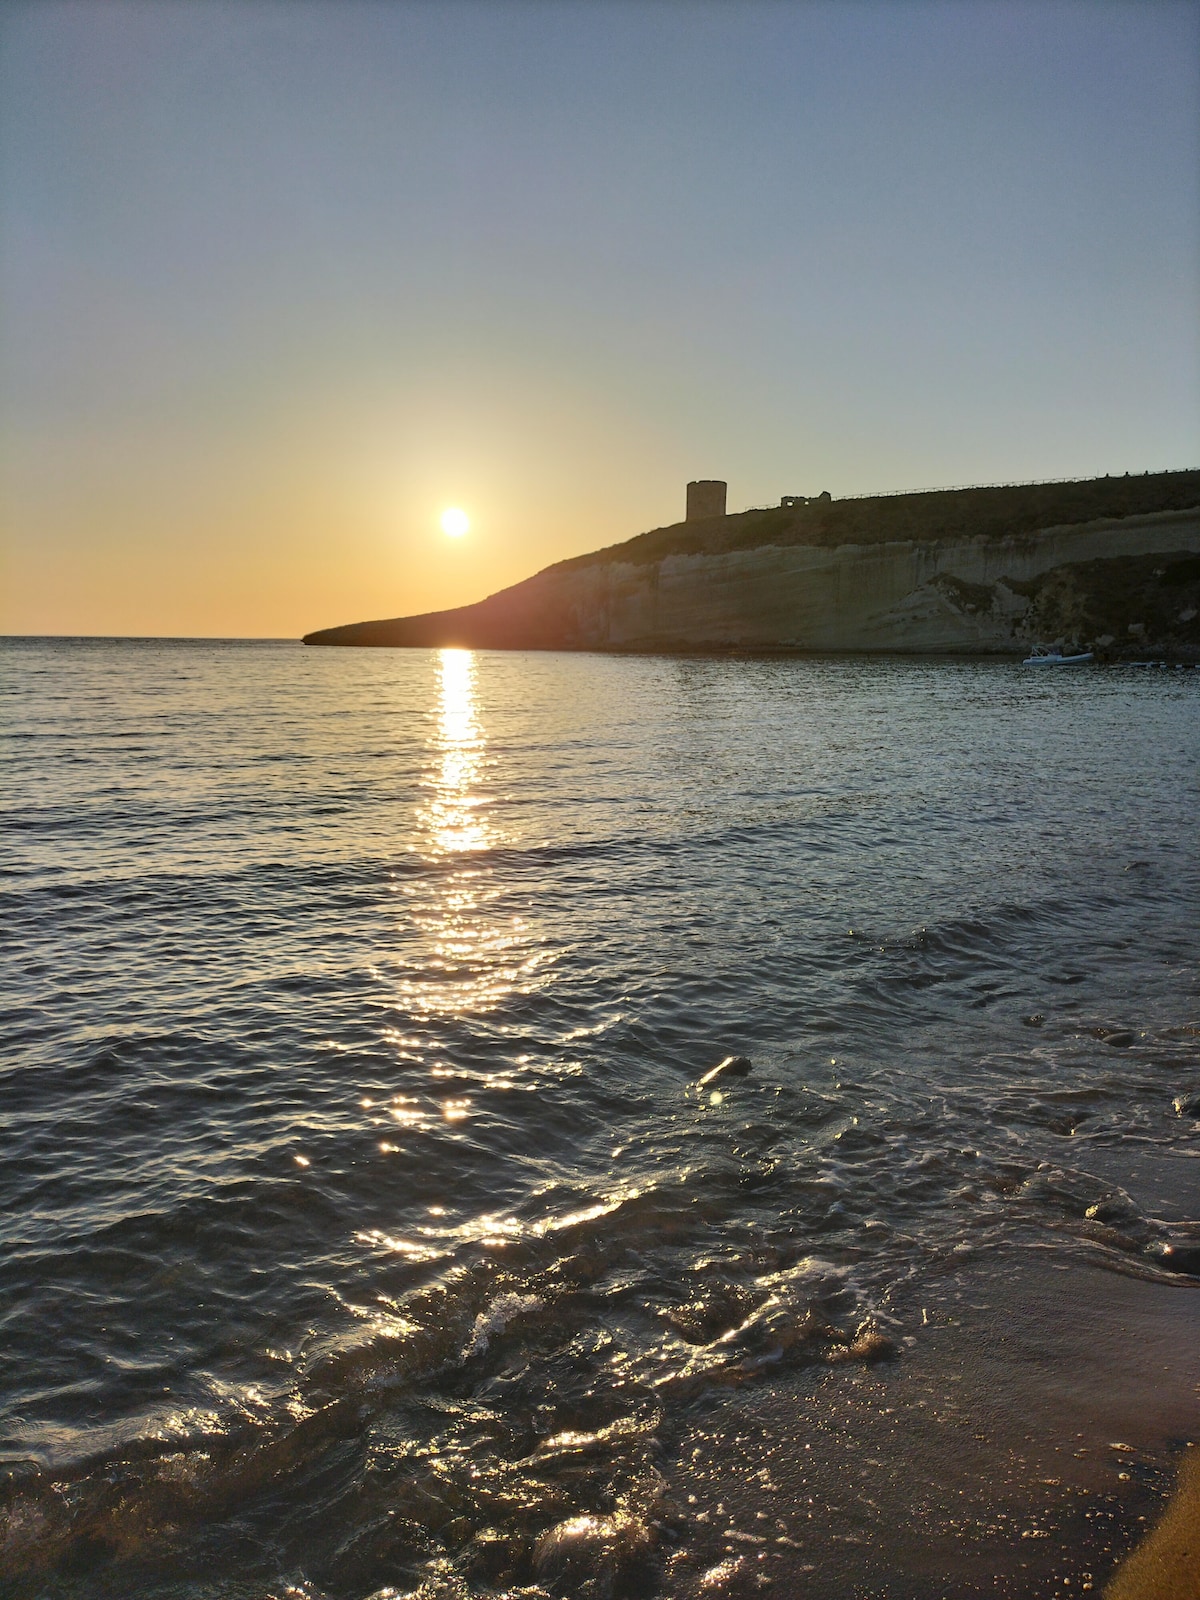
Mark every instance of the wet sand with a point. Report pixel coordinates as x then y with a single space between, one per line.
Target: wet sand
1021 1447
1166 1564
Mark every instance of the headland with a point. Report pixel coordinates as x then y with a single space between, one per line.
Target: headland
1111 564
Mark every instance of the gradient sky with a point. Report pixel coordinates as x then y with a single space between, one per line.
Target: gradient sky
280 281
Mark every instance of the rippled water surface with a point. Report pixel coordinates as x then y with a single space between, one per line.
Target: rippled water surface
365 1225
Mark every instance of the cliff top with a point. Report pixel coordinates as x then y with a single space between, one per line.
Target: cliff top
1001 512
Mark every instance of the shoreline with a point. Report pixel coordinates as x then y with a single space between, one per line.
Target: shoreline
1024 1445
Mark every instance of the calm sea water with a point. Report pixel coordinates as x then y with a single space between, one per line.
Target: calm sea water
365 1226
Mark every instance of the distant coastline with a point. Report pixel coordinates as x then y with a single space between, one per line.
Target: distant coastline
1112 564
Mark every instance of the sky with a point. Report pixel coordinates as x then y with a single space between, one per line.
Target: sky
281 280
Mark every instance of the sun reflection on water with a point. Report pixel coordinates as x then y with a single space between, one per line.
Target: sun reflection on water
473 958
453 819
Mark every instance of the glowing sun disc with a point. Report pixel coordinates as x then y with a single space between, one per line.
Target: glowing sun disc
455 522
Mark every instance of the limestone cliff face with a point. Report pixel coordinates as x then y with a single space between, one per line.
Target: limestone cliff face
980 595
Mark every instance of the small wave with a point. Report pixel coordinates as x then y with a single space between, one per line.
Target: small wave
503 1310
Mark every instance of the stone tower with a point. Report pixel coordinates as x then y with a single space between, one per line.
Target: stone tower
706 498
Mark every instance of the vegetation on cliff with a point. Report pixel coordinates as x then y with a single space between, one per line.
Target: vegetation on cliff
990 513
1122 607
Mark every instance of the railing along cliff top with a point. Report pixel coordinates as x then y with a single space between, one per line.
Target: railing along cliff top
1010 483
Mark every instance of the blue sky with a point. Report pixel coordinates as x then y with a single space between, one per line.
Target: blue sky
281 280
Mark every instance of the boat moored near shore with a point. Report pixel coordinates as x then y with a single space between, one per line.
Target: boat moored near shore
1052 656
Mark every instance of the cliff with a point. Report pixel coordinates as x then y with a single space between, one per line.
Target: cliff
1111 563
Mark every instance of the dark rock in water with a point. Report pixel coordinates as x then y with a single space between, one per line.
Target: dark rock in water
1187 1105
1177 1255
775 1326
1114 1209
601 1552
1119 1038
716 1308
731 1067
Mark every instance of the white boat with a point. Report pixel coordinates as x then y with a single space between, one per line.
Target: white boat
1052 657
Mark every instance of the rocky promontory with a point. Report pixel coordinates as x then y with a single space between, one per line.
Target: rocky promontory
1109 563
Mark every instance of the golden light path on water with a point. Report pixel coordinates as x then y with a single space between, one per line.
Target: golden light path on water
473 958
471 962
470 959
453 820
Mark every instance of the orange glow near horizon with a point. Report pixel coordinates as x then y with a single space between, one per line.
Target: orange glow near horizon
311 520
280 290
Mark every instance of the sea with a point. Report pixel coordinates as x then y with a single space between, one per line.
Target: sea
370 1229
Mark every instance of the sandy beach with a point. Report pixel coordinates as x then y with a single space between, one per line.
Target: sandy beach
1024 1445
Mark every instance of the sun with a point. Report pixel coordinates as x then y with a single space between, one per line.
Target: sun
455 522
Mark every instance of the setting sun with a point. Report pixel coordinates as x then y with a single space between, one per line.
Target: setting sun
455 522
